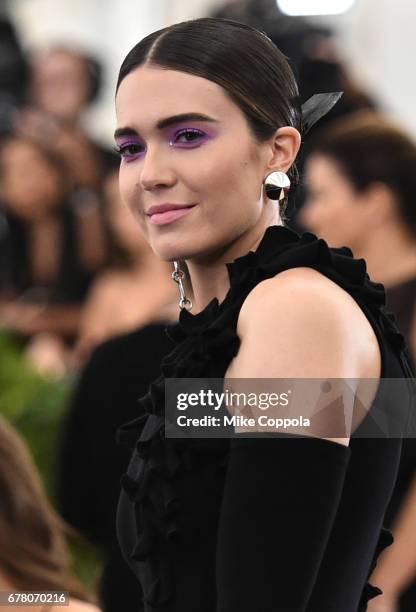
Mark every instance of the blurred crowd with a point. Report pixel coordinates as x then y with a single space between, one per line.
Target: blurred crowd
83 292
74 267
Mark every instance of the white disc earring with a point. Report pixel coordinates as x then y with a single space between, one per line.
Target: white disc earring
277 185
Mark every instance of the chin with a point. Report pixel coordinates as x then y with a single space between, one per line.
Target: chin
170 250
168 255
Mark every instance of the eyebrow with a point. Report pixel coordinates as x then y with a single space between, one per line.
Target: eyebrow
164 123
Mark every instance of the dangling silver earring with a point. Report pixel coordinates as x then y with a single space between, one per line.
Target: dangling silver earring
178 276
277 185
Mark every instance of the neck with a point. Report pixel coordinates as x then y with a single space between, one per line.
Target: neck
390 254
209 275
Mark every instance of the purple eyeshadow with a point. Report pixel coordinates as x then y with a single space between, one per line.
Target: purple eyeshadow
197 137
183 138
123 145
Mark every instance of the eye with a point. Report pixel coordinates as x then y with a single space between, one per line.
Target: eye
188 136
130 149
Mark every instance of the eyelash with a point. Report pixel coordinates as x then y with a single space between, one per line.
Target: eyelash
122 149
189 131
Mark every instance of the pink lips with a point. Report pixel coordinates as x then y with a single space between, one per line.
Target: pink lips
167 216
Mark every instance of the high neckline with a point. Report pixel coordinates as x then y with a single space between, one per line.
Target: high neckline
275 239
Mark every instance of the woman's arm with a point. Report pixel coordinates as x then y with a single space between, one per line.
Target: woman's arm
281 494
279 504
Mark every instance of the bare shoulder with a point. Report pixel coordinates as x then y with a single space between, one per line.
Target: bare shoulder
309 313
300 285
300 324
303 296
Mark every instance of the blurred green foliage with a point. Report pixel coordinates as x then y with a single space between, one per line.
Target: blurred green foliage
35 405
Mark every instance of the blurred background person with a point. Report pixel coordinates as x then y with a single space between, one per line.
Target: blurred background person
361 180
33 552
361 183
91 462
134 290
43 278
63 83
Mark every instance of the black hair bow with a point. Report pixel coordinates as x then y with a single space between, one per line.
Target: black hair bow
317 106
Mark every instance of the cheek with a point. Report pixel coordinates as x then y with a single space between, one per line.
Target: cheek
327 215
344 210
226 179
339 223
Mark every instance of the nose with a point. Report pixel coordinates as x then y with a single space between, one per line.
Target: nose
155 172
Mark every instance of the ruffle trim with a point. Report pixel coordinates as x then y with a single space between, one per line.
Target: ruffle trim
150 485
205 345
282 249
370 591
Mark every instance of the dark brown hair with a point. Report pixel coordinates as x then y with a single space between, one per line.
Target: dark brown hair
236 56
369 149
33 552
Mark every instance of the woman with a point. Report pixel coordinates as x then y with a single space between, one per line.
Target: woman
33 554
64 82
360 180
117 373
275 523
44 276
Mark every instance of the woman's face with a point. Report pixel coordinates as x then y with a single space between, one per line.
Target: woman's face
30 186
333 210
183 141
60 84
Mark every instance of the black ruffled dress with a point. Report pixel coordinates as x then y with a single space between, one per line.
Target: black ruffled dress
257 524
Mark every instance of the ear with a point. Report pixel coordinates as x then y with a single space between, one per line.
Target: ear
380 203
285 145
